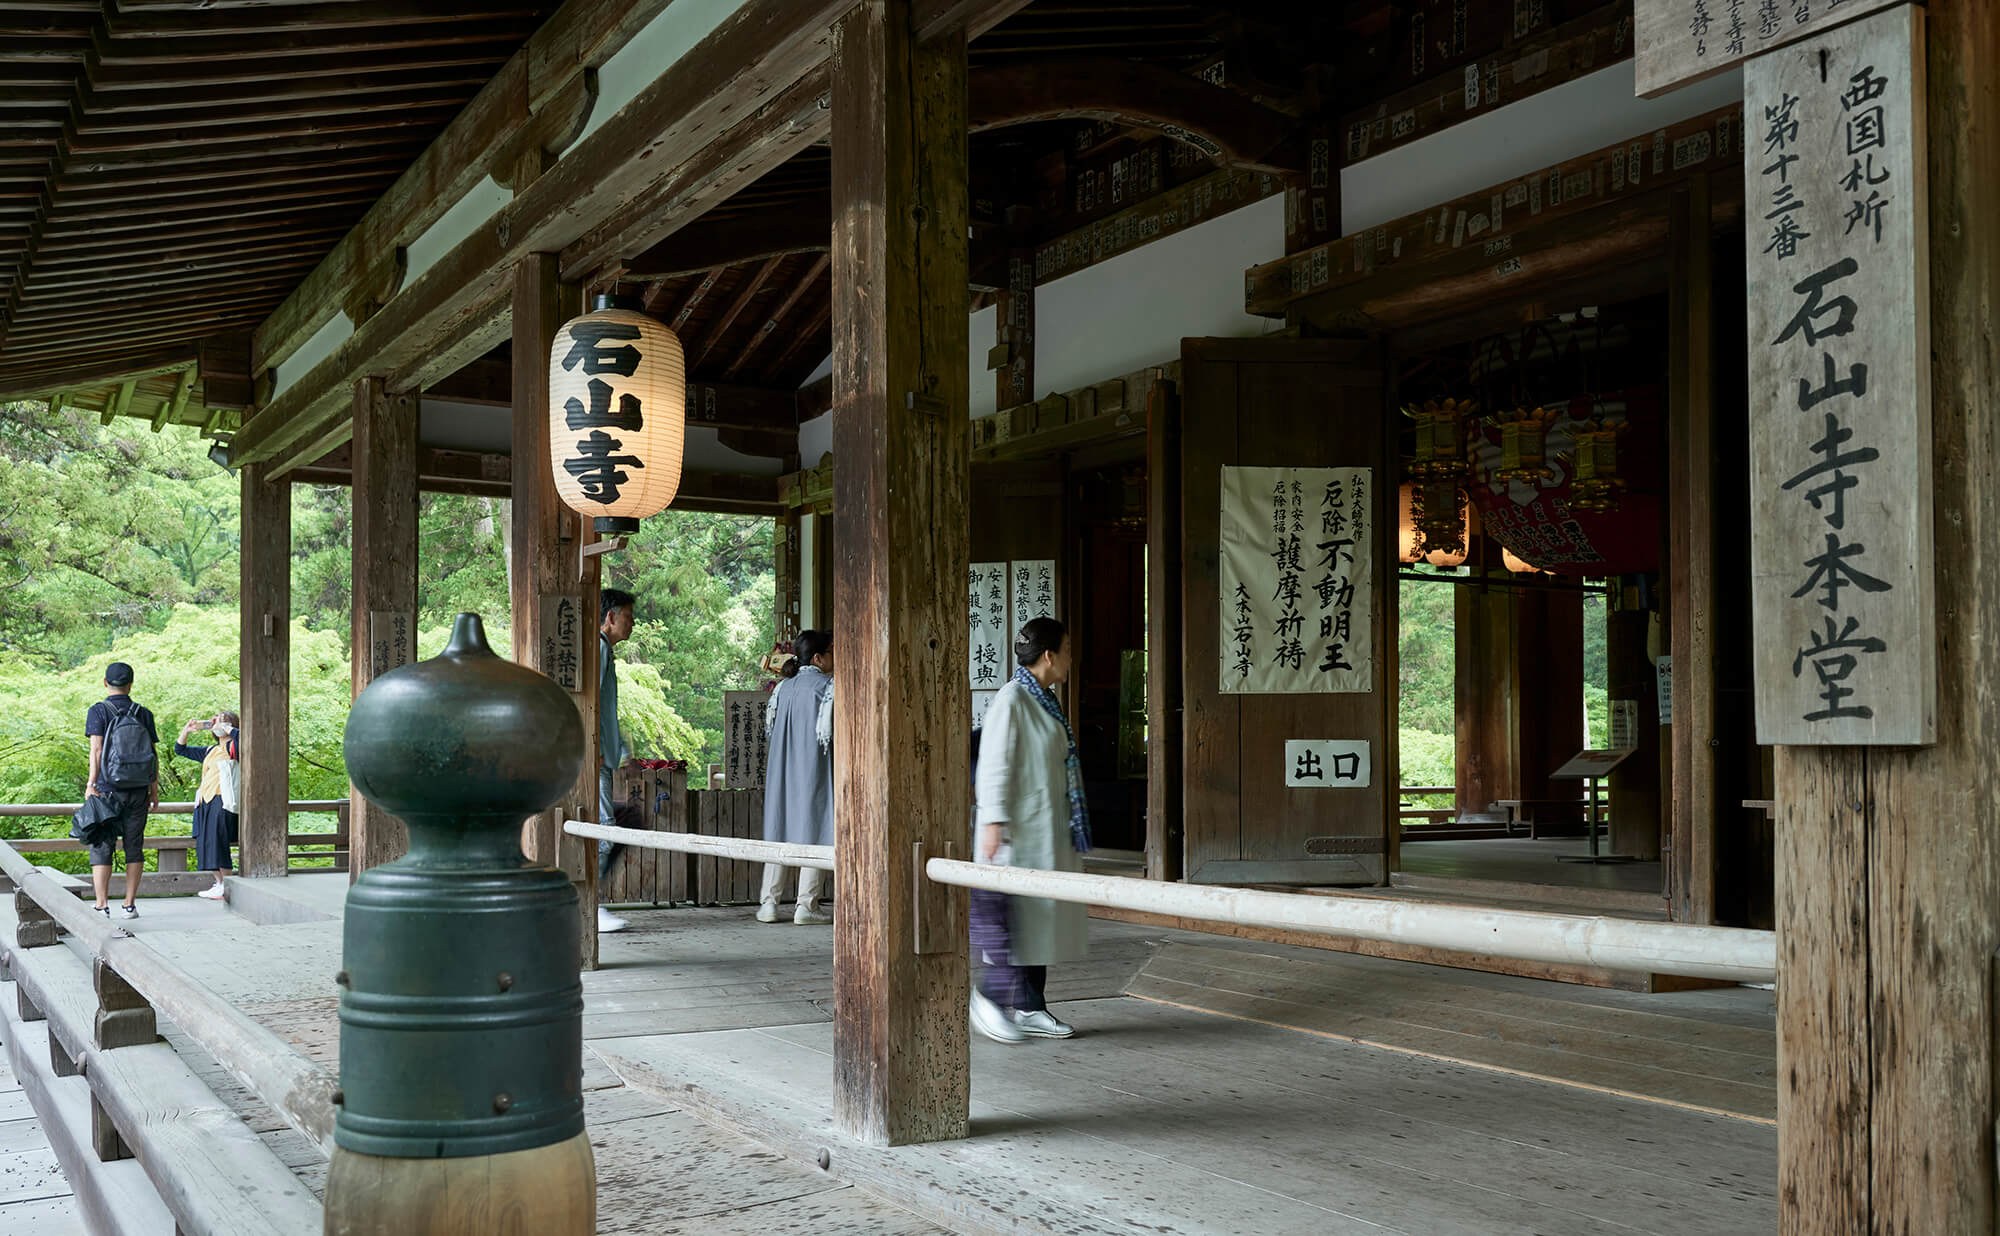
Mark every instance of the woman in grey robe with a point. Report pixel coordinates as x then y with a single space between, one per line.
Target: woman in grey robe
798 782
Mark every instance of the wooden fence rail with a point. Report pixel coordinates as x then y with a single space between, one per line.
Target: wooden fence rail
660 801
173 851
212 1172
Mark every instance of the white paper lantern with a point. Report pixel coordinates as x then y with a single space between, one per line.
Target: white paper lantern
617 414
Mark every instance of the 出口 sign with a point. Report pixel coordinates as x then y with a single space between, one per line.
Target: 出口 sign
1318 764
1297 580
1676 42
745 741
1840 440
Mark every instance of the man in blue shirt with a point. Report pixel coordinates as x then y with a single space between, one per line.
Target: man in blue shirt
126 775
618 609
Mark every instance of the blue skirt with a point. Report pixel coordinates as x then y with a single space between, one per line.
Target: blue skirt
214 833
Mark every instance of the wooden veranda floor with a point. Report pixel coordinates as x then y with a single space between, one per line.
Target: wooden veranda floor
1217 1085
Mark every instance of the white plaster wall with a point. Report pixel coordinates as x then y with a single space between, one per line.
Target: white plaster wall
316 348
668 37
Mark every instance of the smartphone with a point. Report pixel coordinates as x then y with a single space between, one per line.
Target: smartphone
204 725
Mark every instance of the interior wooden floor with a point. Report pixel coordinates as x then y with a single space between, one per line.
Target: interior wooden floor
1217 1085
1518 860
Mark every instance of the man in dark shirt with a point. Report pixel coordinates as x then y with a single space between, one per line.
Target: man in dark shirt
132 804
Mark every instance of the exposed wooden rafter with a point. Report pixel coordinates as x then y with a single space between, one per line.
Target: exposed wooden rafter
1221 123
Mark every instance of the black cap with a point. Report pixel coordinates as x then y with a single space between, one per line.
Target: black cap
117 674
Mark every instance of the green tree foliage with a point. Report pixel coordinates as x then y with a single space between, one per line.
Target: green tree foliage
120 544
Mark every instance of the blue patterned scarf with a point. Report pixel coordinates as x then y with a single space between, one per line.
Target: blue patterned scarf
1079 813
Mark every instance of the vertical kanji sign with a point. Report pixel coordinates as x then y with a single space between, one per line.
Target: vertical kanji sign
1840 418
1682 41
992 656
745 742
562 639
1032 590
1297 580
392 640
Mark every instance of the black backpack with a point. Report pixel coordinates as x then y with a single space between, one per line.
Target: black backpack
130 762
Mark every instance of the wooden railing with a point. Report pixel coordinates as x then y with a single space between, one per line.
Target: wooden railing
211 1171
1728 953
1429 815
300 848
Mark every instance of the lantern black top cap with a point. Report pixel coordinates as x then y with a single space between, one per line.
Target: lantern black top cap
612 300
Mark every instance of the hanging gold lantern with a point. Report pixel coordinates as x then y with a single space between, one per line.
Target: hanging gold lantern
1435 524
617 414
1524 446
1596 485
1440 440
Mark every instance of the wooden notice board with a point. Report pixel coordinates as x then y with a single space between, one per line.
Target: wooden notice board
1683 41
1280 403
1842 588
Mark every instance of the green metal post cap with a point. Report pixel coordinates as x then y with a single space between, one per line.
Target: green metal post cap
463 747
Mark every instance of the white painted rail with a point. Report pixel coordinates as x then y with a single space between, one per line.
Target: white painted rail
742 848
1731 954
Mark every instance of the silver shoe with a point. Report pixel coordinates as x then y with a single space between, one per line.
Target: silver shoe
990 1020
1042 1024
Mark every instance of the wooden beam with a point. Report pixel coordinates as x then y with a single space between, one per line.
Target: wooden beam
266 610
383 612
578 37
1888 914
1224 125
665 140
1575 49
119 402
547 564
439 471
487 380
707 245
25 385
1693 490
225 371
720 327
778 315
741 407
971 18
1482 227
901 1064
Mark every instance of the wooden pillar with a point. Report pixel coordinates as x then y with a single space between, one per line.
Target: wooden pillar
1165 768
384 545
1635 784
265 670
901 532
1483 697
1889 860
1691 568
547 565
1548 692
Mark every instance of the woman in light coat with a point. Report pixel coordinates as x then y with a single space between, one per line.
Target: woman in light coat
798 780
215 800
1031 813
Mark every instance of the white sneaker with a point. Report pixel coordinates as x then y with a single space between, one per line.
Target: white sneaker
130 911
768 912
811 917
989 1020
214 892
608 922
1042 1024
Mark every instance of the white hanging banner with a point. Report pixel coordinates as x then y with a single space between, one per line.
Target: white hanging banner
1297 580
1032 590
986 608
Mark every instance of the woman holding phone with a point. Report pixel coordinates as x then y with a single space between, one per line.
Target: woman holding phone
215 801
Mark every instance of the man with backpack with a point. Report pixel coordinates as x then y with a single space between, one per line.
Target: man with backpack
124 771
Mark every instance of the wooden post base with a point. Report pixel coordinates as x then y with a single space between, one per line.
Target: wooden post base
548 1191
